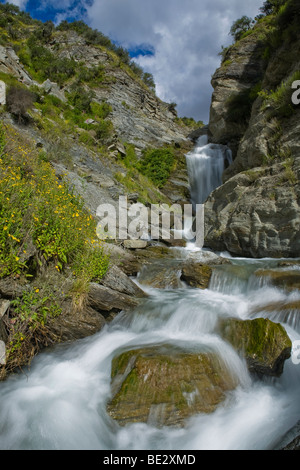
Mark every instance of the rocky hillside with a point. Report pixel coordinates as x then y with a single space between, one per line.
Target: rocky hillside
94 110
256 212
81 126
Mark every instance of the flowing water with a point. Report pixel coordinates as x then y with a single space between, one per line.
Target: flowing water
60 403
205 165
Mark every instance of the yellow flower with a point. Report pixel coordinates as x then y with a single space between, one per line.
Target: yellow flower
17 258
37 290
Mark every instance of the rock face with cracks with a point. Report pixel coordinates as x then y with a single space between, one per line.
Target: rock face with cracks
256 212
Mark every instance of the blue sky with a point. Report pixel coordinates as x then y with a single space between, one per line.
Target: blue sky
177 41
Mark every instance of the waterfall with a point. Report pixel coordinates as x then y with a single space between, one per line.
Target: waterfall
205 165
60 403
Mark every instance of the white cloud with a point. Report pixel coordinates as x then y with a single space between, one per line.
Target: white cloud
19 3
186 35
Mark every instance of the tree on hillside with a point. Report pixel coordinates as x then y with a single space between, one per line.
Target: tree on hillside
271 6
241 26
149 80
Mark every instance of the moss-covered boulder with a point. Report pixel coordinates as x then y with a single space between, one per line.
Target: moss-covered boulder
166 386
264 344
196 274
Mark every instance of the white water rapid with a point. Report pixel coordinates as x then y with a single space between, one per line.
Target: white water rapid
60 403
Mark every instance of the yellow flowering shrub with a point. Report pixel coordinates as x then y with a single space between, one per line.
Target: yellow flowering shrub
40 219
35 206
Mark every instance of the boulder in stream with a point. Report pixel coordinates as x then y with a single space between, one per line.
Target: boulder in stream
106 300
161 275
196 274
116 292
165 386
264 344
117 280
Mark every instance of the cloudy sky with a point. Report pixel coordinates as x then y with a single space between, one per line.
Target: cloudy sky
179 39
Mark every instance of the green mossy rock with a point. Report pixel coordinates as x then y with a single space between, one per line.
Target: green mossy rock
196 274
166 386
264 344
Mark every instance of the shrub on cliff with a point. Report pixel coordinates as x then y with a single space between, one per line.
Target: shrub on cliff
46 235
18 101
241 26
272 6
35 206
44 64
157 165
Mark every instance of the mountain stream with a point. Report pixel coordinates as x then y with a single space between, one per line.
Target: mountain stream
60 403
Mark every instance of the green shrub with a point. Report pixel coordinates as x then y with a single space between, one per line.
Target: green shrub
104 130
35 206
280 100
91 75
45 64
100 110
86 138
130 159
80 98
157 165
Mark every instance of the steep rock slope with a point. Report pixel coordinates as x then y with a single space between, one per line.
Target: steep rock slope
92 108
256 212
138 115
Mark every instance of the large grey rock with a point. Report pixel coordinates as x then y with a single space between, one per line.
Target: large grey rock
138 115
2 353
255 213
132 244
71 326
10 64
106 300
117 280
51 88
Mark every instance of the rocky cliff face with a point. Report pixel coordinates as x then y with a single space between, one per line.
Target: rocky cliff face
256 212
241 69
138 115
